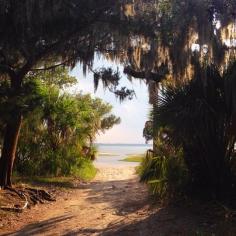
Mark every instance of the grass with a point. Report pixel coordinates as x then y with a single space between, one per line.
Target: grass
85 171
63 182
134 158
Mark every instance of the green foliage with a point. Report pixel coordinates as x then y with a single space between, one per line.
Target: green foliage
62 182
57 77
84 169
55 134
198 116
165 174
27 98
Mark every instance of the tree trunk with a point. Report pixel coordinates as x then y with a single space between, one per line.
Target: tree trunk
153 99
9 149
155 132
13 125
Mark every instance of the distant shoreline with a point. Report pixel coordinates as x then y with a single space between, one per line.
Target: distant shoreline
123 144
107 154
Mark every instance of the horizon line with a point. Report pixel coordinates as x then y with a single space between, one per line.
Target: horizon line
125 143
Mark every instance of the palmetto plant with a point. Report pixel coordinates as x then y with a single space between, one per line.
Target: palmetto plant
200 121
166 173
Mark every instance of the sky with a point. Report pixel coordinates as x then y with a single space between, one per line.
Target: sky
133 113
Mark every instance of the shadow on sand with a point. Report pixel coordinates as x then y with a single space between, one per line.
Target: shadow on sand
41 227
130 201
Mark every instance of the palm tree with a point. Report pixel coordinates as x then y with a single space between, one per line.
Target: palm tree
200 121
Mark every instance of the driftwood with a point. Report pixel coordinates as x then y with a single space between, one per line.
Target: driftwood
30 196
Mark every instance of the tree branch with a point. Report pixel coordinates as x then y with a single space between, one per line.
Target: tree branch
148 75
50 67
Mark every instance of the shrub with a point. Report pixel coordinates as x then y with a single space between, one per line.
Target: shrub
166 174
200 120
58 134
84 169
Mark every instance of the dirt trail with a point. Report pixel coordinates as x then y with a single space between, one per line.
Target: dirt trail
115 203
113 199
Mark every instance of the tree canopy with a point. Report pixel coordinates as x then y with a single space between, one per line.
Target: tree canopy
166 41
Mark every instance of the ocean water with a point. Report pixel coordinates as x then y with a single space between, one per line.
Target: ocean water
112 154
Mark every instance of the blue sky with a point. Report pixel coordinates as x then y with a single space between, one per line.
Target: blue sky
133 113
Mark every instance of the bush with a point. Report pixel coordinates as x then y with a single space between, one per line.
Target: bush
57 135
165 174
54 165
201 121
84 169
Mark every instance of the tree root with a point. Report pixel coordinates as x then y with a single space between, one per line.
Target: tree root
42 193
29 196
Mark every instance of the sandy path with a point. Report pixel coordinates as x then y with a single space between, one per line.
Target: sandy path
114 204
113 199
